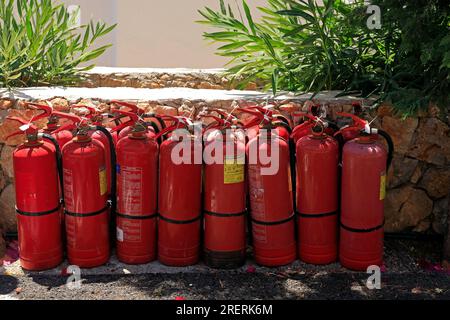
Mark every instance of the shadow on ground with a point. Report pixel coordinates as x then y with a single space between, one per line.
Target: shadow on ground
404 278
238 286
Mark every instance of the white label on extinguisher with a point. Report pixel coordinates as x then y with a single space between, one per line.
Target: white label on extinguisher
119 233
133 230
130 192
257 202
259 233
68 189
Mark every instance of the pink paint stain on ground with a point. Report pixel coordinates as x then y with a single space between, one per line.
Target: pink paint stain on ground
432 267
12 253
251 269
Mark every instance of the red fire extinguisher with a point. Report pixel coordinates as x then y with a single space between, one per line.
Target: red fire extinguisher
180 196
278 122
62 137
271 195
311 118
36 164
224 201
151 128
86 196
365 162
96 119
317 161
137 180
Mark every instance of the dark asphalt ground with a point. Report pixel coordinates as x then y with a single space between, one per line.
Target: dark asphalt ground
411 272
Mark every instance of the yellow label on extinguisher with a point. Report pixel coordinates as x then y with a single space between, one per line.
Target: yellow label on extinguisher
103 182
383 187
233 171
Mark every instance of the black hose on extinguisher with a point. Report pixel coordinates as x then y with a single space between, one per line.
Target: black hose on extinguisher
113 175
283 125
333 126
341 142
293 160
390 144
58 162
162 125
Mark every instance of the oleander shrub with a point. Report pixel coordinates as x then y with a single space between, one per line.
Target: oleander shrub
40 44
303 46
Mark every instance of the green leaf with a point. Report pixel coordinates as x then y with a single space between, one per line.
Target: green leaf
249 17
297 13
223 8
38 45
274 80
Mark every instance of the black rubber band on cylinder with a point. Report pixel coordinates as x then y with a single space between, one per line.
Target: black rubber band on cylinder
273 223
145 217
317 215
225 215
86 215
36 214
362 230
180 221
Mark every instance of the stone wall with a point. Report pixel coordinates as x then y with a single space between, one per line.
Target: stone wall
419 180
159 78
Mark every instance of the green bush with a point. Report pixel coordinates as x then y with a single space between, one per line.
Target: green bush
41 45
301 46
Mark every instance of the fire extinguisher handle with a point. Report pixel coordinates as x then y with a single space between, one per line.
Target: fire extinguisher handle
92 111
259 114
360 123
167 130
134 118
391 147
27 127
306 115
76 121
71 117
47 110
134 108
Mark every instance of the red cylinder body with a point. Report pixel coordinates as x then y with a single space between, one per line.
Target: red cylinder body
225 203
301 131
62 137
271 201
180 194
362 212
317 198
126 131
137 176
86 195
38 208
283 132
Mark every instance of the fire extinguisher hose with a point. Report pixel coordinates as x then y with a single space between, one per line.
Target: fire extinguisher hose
390 144
58 162
293 164
113 169
333 126
160 121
